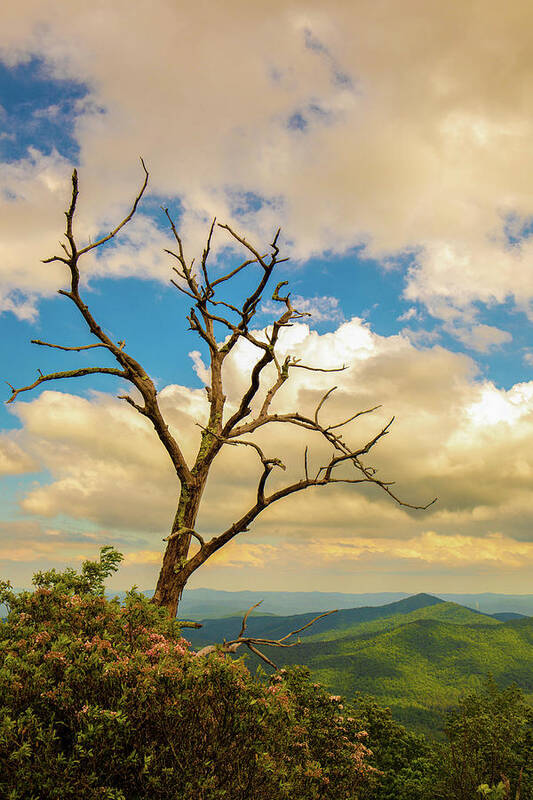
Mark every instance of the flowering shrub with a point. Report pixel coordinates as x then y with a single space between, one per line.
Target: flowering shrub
103 700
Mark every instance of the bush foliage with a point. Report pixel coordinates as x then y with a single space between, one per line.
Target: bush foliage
100 699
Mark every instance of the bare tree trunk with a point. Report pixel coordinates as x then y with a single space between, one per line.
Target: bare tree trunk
170 585
173 575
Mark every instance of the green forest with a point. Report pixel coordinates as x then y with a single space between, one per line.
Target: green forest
418 663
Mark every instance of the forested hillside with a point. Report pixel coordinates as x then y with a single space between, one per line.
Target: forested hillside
417 656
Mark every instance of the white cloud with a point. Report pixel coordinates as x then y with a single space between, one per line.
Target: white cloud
411 313
479 337
321 309
14 460
413 151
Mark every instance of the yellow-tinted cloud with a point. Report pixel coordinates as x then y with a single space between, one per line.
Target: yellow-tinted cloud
432 548
392 125
14 460
456 436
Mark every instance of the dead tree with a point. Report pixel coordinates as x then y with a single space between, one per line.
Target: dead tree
233 645
224 426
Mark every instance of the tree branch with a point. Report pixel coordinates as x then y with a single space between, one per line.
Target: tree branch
62 347
114 232
131 369
250 641
76 373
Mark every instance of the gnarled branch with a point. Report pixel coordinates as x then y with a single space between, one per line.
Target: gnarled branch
232 645
73 373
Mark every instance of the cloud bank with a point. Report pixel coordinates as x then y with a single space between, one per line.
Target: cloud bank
398 128
455 435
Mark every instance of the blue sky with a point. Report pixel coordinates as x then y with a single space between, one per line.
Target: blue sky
399 177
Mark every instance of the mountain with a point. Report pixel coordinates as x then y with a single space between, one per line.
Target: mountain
418 664
416 655
203 603
491 603
274 627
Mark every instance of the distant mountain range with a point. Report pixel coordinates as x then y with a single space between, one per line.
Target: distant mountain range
415 655
203 603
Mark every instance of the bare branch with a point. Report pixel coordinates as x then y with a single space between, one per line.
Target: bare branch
295 363
126 219
208 288
308 624
250 641
321 403
141 409
274 461
350 419
243 627
234 271
75 373
251 248
181 289
369 445
261 655
61 347
177 237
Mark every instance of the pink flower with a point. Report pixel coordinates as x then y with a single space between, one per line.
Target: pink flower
56 655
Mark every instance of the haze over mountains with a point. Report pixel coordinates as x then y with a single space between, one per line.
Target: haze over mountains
203 603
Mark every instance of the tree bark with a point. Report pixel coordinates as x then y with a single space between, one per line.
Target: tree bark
170 585
174 575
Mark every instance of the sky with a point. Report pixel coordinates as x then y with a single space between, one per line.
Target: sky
391 142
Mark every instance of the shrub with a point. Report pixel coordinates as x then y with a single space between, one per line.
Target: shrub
103 700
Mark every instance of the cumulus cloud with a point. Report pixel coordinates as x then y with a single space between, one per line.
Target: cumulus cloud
14 460
402 128
455 435
432 548
481 338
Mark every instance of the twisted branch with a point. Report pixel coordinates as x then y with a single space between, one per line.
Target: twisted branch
232 645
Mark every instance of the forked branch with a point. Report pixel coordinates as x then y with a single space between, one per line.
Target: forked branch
232 645
130 369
